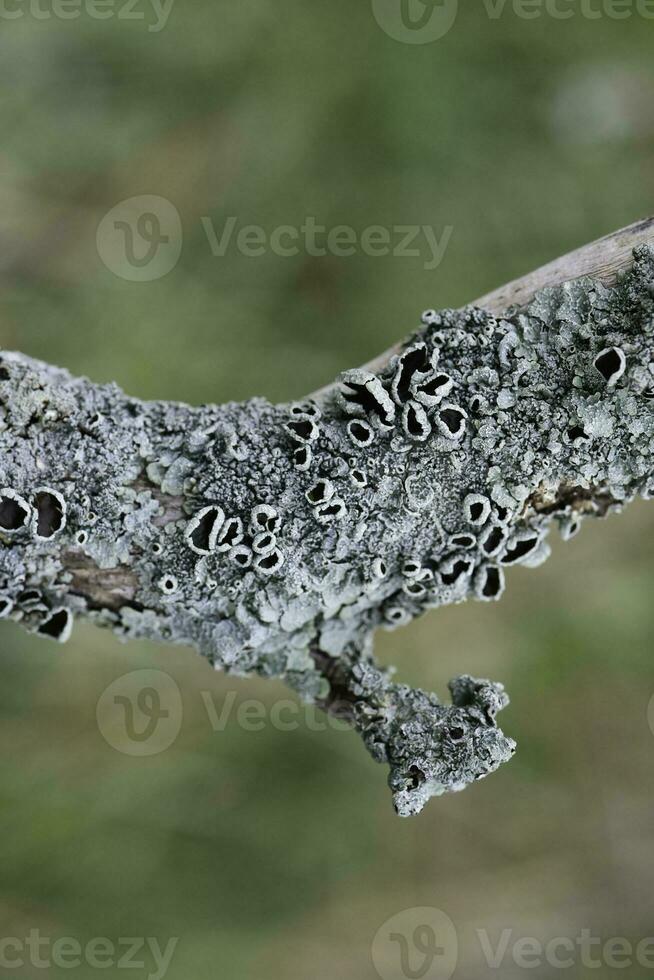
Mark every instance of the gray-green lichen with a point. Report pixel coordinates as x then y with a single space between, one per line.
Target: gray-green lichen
276 539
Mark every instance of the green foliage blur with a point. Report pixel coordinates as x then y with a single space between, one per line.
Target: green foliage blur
276 853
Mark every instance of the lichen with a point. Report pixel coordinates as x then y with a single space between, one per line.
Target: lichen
278 538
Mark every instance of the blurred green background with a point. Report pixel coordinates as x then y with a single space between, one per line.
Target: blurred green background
271 853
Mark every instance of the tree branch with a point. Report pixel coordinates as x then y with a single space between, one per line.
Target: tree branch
276 539
604 260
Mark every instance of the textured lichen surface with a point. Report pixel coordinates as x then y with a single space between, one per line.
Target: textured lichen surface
276 539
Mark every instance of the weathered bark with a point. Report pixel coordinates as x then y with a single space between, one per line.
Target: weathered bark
276 539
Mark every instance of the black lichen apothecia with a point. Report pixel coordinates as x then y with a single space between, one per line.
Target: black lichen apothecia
277 539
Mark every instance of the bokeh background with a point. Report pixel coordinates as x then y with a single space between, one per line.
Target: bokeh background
272 853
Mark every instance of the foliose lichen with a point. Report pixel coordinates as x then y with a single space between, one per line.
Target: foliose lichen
278 538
